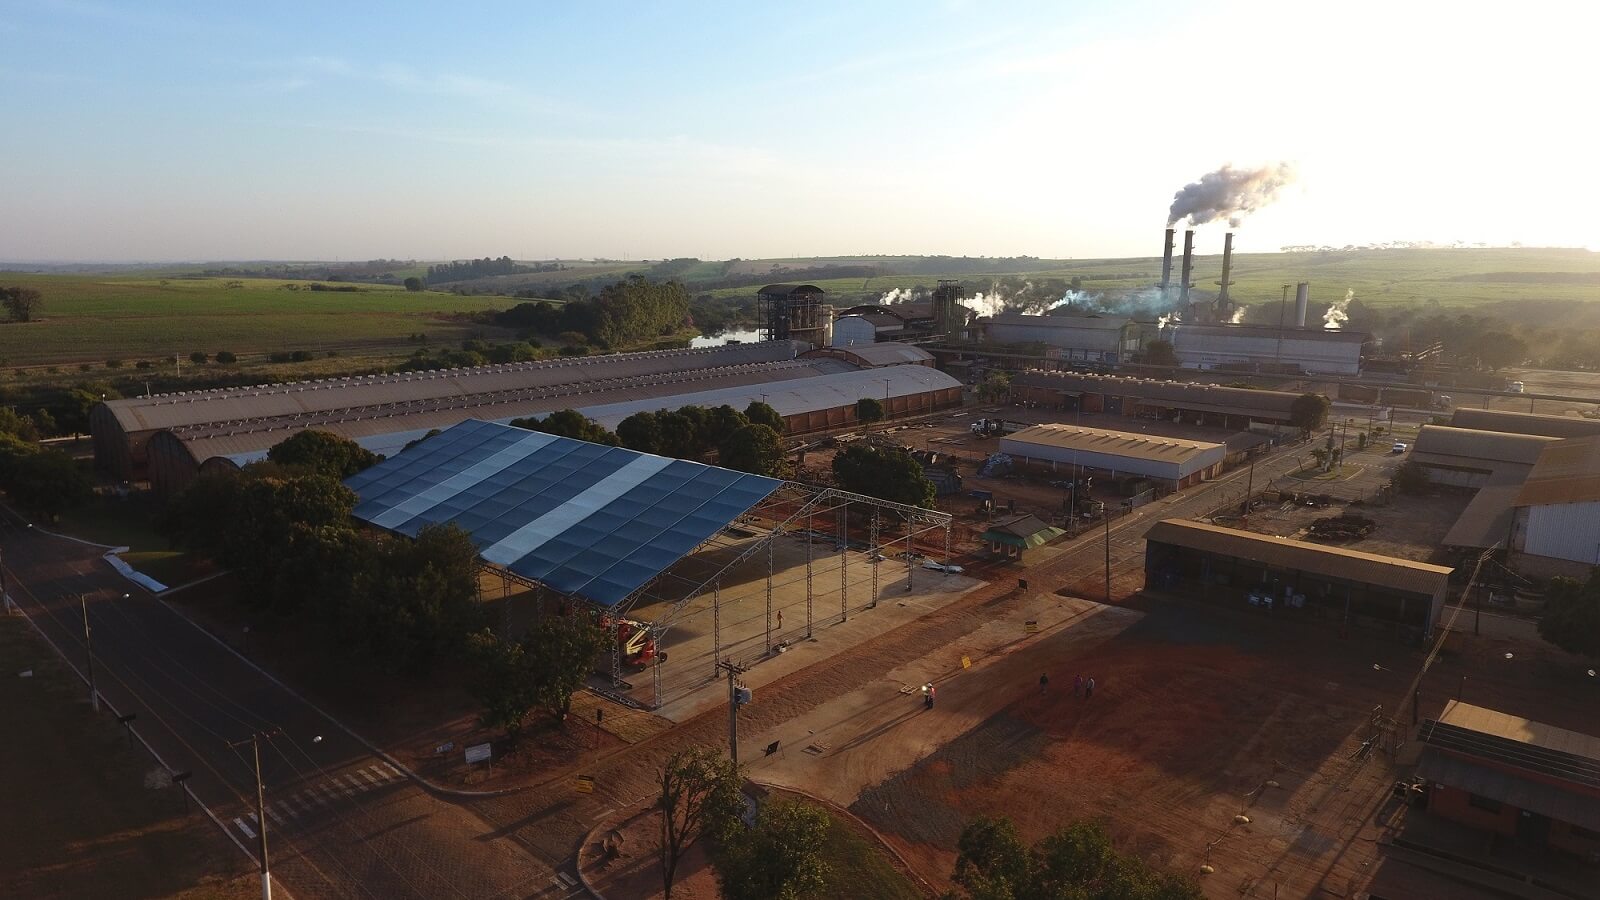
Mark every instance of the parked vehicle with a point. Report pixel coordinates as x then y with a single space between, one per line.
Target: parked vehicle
940 567
1262 599
1399 447
1515 387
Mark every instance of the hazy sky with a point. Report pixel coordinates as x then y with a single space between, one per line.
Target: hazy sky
142 130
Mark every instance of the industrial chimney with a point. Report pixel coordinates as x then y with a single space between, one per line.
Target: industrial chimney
1188 269
1227 267
1166 264
1302 298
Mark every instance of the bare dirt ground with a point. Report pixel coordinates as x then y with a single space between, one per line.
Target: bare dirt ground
80 818
1195 710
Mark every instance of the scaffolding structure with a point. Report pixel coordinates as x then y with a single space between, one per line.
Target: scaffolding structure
841 523
795 312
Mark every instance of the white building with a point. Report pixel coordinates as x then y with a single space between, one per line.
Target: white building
1558 509
1101 339
1176 462
1321 350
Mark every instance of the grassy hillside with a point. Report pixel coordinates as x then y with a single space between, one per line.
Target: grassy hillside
93 318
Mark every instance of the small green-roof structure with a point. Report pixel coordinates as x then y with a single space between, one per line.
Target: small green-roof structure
1011 535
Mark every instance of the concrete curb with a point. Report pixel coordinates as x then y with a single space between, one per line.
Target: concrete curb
376 750
583 877
132 574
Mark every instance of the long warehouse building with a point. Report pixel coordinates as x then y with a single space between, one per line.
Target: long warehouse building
1198 404
1323 351
171 437
1175 462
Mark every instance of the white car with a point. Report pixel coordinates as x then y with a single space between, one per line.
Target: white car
1399 447
946 569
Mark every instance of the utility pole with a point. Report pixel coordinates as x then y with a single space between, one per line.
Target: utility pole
88 647
1249 486
734 701
261 808
1108 554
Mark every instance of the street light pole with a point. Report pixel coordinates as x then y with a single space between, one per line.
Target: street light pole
88 647
261 809
1107 514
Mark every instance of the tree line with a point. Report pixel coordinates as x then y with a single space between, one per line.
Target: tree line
624 312
464 270
42 481
748 441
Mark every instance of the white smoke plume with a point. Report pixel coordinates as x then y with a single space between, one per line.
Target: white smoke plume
1336 316
895 295
990 304
1078 300
1168 320
1229 193
1237 317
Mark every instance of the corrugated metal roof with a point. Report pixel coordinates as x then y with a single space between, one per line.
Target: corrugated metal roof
1568 471
1486 521
796 387
1524 423
795 397
1470 444
1113 443
1328 335
1087 323
584 519
139 414
1186 395
1525 731
884 353
1315 559
1022 530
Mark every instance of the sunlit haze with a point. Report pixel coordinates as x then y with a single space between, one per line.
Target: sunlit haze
317 131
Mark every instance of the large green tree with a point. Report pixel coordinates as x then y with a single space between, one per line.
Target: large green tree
780 858
759 413
869 410
323 452
1571 618
1077 861
756 449
699 799
563 649
43 482
503 681
640 432
569 423
23 303
887 473
419 598
1160 353
1309 411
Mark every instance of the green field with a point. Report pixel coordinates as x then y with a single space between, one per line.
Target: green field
94 318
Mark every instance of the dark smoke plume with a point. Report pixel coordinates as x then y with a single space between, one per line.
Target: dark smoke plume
1229 193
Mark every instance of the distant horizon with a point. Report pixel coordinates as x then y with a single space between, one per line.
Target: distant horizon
180 261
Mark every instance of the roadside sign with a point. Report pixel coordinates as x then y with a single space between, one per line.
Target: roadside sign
966 662
478 753
583 784
1030 627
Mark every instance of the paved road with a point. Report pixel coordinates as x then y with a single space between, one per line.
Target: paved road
342 822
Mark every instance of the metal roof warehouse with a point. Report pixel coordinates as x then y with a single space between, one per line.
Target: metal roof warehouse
1174 460
1340 583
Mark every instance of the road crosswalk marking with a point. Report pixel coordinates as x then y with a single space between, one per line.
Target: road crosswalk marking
325 793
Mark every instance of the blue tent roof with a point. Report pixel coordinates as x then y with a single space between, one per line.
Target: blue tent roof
585 519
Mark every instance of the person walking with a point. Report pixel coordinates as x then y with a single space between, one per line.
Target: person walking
780 620
1088 688
1077 686
1044 682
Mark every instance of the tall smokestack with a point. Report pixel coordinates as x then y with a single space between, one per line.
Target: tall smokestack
1227 267
1166 263
1188 267
1302 299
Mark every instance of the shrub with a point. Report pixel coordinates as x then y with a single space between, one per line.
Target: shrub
226 358
84 367
143 364
570 350
301 356
113 363
198 358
